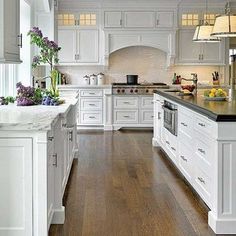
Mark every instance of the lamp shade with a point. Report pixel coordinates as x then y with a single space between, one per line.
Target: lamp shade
225 26
203 34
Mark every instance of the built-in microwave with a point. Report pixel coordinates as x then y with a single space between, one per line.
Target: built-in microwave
170 117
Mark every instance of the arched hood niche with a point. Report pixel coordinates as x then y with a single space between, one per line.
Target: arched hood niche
164 41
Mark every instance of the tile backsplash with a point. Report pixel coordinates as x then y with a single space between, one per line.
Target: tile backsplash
148 63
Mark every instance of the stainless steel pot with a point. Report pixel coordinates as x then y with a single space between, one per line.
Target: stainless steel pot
132 79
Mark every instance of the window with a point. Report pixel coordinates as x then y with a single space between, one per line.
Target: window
66 19
10 74
83 19
190 19
210 18
87 19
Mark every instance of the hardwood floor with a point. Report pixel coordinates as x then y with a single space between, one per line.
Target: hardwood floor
122 186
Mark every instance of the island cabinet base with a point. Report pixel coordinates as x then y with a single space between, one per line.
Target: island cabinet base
34 170
204 152
16 186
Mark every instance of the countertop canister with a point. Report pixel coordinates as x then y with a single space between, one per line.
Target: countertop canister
93 79
100 79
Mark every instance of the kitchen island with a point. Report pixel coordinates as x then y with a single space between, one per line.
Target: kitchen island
37 147
202 148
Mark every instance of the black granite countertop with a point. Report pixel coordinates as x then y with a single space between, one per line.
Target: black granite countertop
220 111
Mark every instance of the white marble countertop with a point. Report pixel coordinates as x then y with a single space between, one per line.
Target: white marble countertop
78 86
35 118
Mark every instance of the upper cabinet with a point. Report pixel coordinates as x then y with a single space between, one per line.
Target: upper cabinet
78 46
10 37
190 52
134 19
139 19
164 19
113 19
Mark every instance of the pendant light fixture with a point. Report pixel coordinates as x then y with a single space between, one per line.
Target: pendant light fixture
203 31
225 25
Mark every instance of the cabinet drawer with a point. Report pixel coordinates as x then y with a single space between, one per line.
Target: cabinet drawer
203 125
185 125
185 161
204 151
91 103
203 185
91 93
146 117
126 102
91 117
126 117
147 102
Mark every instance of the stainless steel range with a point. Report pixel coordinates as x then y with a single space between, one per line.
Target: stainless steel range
138 89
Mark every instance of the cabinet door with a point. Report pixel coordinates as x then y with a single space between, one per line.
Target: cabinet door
135 19
87 46
67 42
213 53
189 51
50 172
16 186
113 19
12 30
165 19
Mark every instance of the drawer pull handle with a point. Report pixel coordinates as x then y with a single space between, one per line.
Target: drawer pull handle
201 180
168 142
126 102
173 148
54 160
159 115
182 123
71 136
184 159
92 117
50 138
92 93
201 124
92 104
126 116
201 150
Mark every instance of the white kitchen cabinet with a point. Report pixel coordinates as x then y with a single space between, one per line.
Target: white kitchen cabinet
67 41
132 111
91 107
16 198
78 46
139 19
190 52
158 120
10 37
113 19
51 163
164 19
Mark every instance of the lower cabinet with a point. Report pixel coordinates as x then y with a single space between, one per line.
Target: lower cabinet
90 107
132 111
16 198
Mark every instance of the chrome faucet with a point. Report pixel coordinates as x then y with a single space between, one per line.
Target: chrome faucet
194 80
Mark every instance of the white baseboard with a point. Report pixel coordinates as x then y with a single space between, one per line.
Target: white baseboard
59 216
221 226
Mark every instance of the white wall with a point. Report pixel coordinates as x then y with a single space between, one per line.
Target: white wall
148 63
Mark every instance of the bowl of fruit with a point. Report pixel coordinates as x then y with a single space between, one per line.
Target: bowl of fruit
189 87
215 94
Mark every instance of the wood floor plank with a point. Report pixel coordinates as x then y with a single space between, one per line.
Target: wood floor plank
122 186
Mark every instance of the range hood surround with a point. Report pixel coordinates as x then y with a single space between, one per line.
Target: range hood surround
162 40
